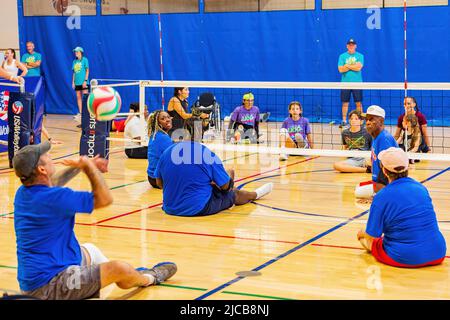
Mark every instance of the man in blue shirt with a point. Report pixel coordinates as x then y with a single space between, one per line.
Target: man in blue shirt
32 60
382 140
350 65
402 230
51 263
195 183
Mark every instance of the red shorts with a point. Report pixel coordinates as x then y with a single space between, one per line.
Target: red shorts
381 256
119 124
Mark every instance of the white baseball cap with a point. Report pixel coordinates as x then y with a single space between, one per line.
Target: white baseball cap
375 110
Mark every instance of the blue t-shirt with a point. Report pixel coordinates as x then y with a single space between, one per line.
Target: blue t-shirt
187 170
347 58
156 147
44 218
404 213
80 67
384 141
28 58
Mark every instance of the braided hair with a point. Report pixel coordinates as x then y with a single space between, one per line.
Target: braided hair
153 124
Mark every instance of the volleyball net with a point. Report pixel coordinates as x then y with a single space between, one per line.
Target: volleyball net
321 105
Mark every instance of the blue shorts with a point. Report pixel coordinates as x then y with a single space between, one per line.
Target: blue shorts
345 95
220 200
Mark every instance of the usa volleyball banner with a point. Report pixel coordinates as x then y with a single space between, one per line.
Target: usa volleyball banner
4 130
94 134
20 115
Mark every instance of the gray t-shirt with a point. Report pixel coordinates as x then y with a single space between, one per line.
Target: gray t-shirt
360 140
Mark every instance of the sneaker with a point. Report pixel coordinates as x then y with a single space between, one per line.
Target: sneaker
344 125
77 118
161 272
284 156
265 117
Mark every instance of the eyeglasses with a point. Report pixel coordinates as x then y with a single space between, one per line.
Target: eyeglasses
250 100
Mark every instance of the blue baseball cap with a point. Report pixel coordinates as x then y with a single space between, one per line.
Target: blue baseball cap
80 49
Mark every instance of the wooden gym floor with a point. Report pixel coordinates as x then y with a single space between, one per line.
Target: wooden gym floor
301 238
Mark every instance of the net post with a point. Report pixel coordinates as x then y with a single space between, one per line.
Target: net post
22 85
142 113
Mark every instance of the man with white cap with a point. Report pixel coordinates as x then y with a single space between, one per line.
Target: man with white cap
382 140
402 230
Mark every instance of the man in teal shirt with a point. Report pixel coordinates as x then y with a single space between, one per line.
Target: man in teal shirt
32 60
350 65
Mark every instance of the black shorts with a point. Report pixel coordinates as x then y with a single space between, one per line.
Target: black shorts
220 200
80 88
345 95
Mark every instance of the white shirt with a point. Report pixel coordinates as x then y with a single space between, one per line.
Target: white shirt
11 68
133 129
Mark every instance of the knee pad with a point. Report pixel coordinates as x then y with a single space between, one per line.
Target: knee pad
96 255
284 132
365 190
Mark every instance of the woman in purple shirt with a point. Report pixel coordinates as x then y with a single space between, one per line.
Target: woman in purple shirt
295 131
244 122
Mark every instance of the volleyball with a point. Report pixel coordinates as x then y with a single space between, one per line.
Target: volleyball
104 103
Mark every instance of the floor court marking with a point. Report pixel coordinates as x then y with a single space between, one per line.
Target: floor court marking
298 247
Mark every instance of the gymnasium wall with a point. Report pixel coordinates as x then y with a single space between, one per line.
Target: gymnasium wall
9 26
240 46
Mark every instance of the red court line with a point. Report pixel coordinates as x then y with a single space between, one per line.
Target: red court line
186 233
125 214
333 246
289 165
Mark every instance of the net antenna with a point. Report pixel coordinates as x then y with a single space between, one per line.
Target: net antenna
161 60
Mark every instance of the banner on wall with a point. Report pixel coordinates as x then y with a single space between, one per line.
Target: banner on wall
57 7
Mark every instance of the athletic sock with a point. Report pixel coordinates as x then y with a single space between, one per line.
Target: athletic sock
263 190
150 278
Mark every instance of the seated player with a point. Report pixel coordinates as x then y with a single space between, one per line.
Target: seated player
159 126
118 124
244 121
52 264
195 183
135 131
355 138
410 124
402 230
295 131
412 108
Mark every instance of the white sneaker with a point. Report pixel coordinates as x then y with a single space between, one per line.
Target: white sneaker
284 156
264 190
77 118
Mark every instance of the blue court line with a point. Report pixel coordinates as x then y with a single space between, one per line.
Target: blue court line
298 247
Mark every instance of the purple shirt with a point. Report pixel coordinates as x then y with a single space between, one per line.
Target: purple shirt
244 116
300 126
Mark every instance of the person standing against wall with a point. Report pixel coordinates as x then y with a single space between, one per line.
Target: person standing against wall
80 78
350 65
12 66
32 60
